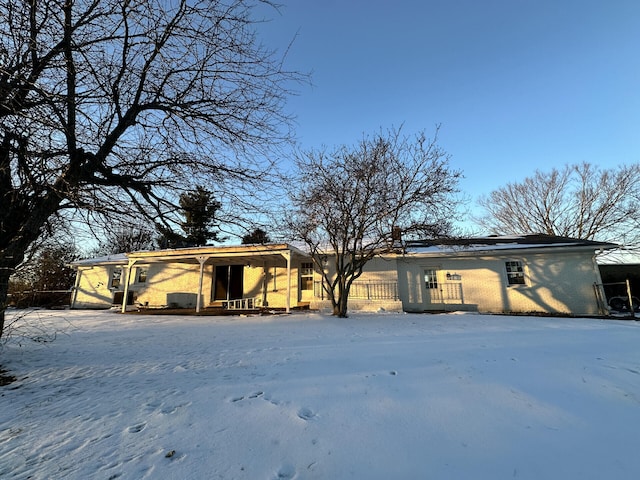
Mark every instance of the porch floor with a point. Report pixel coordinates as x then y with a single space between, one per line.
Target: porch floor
216 311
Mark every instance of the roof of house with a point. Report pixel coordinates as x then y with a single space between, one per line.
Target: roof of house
192 253
503 242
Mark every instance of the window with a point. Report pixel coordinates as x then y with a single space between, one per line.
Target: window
141 276
515 273
306 276
431 278
116 275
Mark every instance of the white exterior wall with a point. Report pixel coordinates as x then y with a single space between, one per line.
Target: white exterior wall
558 283
92 287
270 283
379 270
170 284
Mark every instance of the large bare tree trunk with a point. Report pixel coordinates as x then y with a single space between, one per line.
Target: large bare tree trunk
5 273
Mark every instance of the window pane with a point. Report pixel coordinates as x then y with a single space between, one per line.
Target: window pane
515 273
430 279
115 277
306 276
142 275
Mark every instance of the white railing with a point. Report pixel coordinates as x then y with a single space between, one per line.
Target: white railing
240 304
364 290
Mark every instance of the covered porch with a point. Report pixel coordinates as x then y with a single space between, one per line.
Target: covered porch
239 278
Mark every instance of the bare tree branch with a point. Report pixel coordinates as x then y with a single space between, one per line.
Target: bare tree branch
579 201
117 107
351 202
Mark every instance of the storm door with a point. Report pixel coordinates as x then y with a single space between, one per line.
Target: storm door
433 289
229 283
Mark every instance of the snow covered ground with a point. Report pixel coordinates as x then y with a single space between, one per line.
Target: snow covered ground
307 396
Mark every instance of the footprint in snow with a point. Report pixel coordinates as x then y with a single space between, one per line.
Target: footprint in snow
137 428
251 396
286 472
306 414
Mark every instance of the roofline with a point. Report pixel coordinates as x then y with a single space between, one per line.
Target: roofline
193 252
534 249
232 250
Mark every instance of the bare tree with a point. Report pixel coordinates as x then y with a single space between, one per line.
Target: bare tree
115 107
352 203
579 201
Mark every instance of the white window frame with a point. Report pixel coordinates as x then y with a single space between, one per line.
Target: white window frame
139 270
508 264
305 268
112 277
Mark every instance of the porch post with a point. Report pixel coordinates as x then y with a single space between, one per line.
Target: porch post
127 279
201 260
75 288
288 258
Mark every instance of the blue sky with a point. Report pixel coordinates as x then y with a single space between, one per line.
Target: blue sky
517 85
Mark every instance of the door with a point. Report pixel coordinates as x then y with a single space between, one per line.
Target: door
229 282
432 286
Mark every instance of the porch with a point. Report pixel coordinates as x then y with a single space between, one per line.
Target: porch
238 279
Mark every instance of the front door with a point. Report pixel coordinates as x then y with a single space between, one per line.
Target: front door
433 289
229 282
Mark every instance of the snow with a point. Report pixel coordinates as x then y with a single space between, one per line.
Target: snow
480 247
307 396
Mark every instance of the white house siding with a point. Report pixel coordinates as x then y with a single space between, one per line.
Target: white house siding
92 289
372 291
170 284
561 282
268 285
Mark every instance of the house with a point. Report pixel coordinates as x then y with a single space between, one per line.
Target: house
497 274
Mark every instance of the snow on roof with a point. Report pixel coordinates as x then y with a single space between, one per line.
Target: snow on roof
500 242
117 258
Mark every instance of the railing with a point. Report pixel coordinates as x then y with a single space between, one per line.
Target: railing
240 304
364 290
445 292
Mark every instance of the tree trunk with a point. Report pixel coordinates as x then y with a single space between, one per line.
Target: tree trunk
340 304
5 273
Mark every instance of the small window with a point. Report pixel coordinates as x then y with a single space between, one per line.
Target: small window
141 276
515 273
116 275
306 276
431 279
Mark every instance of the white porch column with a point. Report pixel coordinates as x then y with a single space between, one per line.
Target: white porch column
127 279
201 260
75 288
287 256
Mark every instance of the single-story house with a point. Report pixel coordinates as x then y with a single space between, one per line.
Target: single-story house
496 274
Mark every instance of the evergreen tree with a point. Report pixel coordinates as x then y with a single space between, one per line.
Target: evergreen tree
258 236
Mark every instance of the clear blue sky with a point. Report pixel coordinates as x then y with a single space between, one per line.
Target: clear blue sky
517 85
